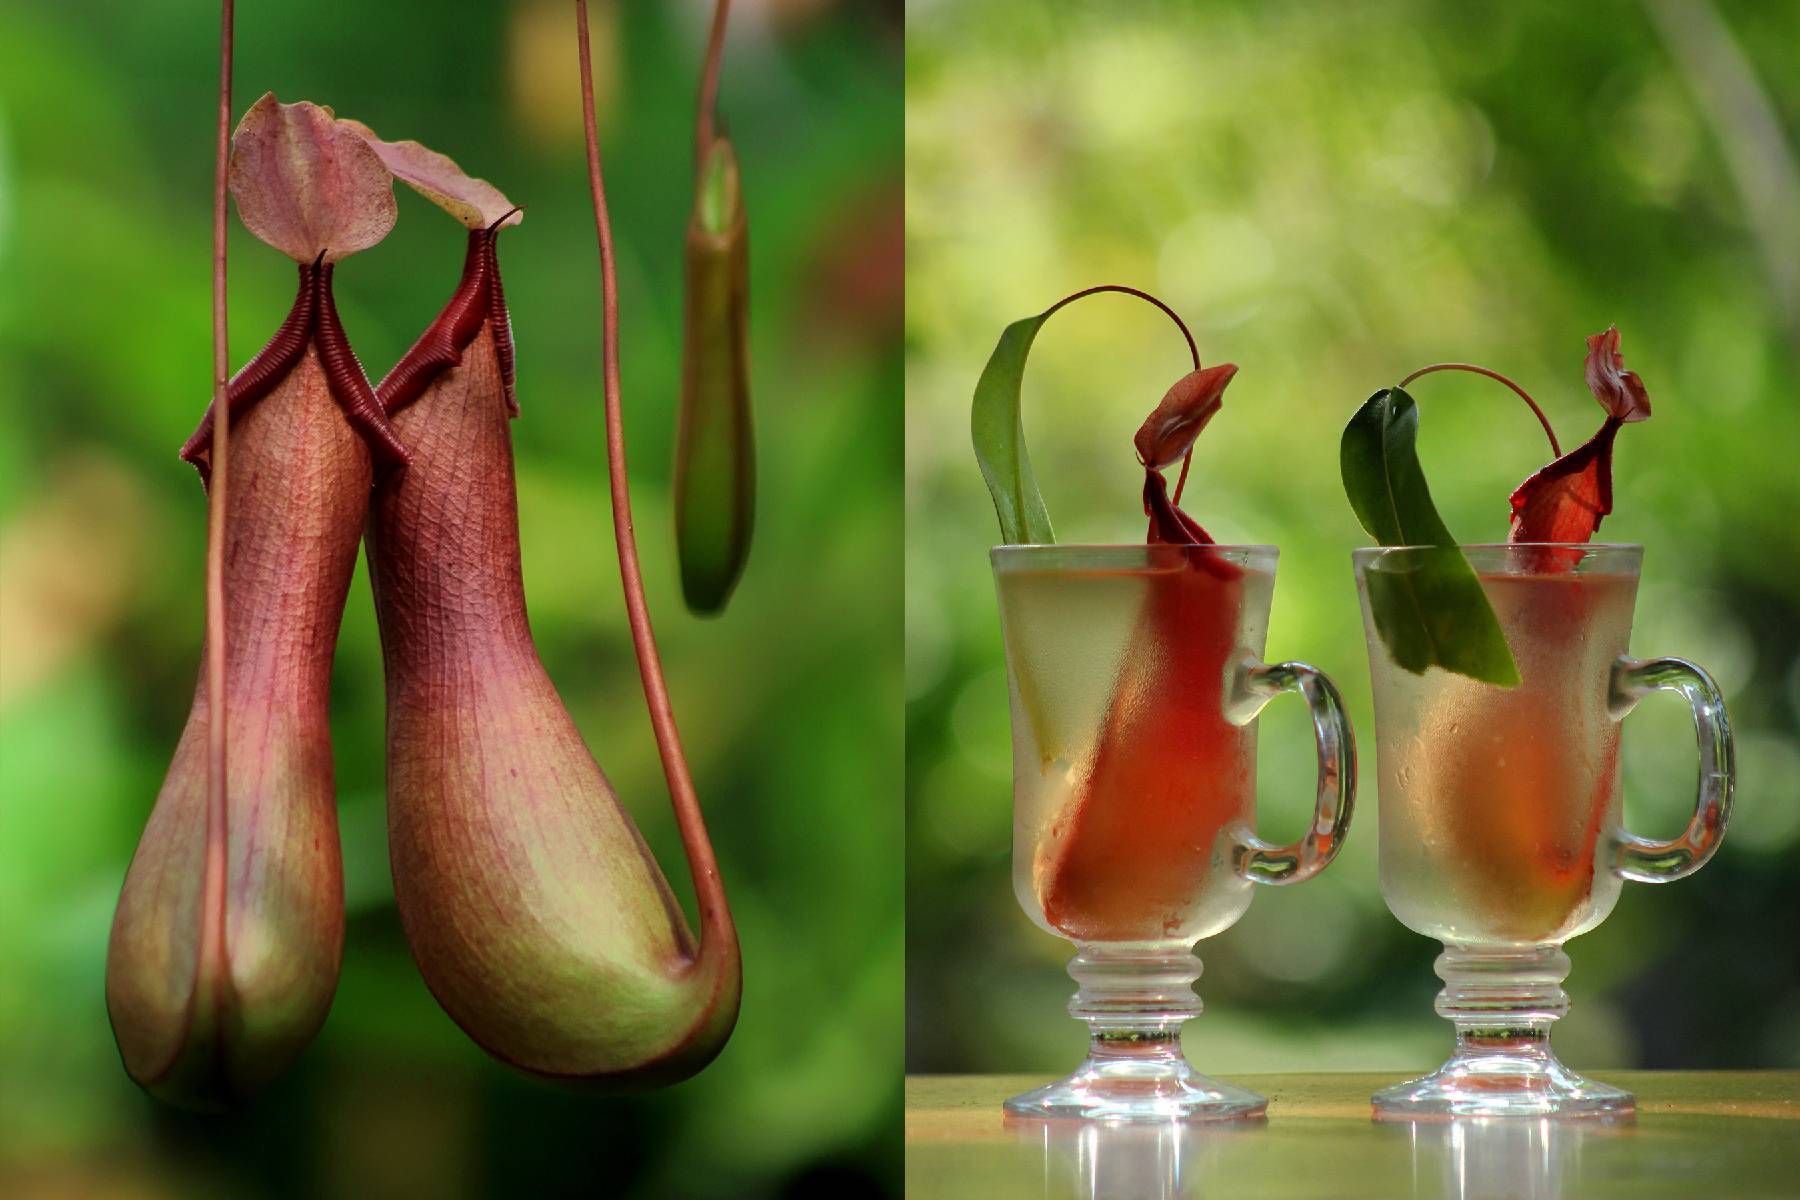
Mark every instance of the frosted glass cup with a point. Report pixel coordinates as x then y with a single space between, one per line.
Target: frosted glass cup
1501 830
1136 675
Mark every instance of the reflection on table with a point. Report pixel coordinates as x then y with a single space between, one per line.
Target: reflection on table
1733 1134
1087 1160
1503 1158
1468 1158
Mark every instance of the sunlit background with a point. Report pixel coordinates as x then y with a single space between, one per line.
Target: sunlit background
789 703
1332 195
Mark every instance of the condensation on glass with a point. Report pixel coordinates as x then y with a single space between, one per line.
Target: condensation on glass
1136 676
1501 833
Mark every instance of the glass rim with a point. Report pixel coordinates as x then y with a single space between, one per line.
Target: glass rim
1123 556
1592 557
1028 550
1637 546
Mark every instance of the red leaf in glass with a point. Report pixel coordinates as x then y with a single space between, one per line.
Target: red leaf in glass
1566 500
1619 391
1168 776
1169 771
1167 433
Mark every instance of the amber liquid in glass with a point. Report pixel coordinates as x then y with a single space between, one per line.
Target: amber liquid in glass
1499 805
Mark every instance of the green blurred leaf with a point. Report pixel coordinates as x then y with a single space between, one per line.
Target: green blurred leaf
719 197
715 455
1430 610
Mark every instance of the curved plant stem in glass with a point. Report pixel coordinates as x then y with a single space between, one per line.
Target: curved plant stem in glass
1187 460
1543 420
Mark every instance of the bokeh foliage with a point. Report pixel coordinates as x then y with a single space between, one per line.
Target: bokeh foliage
789 703
1334 194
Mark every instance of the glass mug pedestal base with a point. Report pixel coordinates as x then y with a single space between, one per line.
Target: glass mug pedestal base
1134 1005
1512 1082
1148 1080
1502 1004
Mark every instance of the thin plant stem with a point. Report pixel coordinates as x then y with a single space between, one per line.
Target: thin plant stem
1187 460
212 908
718 934
1550 433
704 132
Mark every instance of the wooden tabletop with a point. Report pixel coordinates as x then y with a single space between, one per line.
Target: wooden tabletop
1734 1135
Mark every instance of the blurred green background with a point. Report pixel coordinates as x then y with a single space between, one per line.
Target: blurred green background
789 703
1332 195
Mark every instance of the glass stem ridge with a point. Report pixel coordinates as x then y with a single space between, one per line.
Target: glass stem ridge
1132 999
1502 1002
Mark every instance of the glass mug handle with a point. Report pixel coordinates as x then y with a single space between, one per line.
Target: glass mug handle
1256 685
1659 862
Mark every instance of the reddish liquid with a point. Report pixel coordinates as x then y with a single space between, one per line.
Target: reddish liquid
1494 801
1130 854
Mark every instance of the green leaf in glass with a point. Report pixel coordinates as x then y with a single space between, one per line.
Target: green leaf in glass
1432 612
999 430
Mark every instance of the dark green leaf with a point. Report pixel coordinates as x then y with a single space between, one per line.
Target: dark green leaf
999 430
1429 609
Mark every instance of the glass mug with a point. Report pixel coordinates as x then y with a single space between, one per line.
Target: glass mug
1136 676
1501 830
